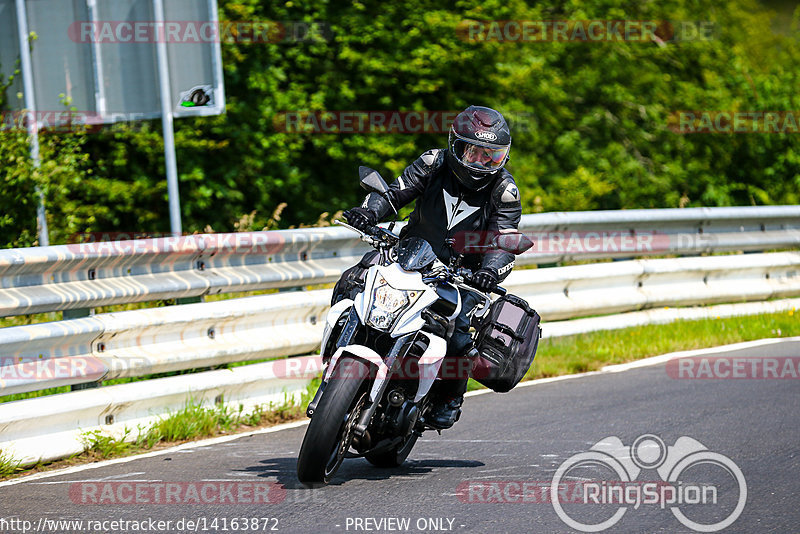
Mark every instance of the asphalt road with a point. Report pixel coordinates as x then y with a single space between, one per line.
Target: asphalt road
471 478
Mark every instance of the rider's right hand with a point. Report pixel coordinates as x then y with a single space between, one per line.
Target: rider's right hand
360 218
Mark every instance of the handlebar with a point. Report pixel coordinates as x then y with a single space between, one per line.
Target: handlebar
376 235
468 279
372 234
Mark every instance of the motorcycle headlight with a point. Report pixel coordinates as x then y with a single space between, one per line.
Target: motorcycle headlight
388 304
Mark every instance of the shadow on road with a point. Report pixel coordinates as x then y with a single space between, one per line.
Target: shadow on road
284 470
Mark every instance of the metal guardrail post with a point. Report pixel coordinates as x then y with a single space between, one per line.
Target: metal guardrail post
77 314
87 385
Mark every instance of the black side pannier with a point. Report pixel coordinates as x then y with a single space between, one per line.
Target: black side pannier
352 281
507 338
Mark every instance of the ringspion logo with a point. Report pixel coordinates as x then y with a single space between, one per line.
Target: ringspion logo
704 490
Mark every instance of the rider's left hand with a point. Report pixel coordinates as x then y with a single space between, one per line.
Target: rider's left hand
485 280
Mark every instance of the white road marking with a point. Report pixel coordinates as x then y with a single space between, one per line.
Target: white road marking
108 479
171 450
646 362
501 469
445 441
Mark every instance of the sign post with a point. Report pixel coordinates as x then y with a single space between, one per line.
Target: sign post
30 106
167 125
87 56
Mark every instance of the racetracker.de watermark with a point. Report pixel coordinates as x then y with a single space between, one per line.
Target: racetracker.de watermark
116 243
574 243
584 242
179 493
17 371
405 369
734 122
198 32
585 31
583 492
62 121
70 121
144 524
383 121
734 368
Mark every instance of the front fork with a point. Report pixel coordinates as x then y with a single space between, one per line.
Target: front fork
429 363
387 366
345 337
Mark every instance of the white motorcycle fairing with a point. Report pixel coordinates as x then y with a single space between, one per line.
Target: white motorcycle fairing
429 364
332 318
363 353
410 320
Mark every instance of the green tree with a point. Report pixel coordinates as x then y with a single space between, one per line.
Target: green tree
591 120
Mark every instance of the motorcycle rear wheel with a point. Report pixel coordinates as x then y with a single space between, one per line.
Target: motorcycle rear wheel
330 431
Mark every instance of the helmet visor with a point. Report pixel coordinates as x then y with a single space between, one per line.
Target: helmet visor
479 157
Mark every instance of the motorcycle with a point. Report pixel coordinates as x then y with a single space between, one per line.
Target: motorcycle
384 349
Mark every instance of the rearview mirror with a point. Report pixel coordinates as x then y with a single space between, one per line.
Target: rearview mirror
372 181
515 243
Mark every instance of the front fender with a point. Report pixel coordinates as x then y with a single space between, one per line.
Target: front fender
331 319
368 355
429 363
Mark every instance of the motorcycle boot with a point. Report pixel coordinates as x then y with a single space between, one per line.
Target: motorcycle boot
447 410
446 414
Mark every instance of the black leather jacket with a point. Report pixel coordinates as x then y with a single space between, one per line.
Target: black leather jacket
446 209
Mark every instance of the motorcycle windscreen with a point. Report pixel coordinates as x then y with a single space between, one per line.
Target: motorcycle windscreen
415 254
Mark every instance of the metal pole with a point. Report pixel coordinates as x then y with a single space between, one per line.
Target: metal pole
30 105
166 122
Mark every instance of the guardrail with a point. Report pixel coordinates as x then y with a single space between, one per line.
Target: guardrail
155 340
89 275
48 428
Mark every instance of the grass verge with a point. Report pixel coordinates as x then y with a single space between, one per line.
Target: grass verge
594 350
8 466
194 421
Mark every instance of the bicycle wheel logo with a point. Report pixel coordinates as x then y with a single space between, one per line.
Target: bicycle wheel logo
683 486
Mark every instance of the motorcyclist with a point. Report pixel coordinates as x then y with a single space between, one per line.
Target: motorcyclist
463 188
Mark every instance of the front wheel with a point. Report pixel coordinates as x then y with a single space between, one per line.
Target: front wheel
395 456
330 431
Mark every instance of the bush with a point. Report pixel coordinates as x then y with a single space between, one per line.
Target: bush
591 121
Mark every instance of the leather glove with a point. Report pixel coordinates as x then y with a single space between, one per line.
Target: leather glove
485 280
360 218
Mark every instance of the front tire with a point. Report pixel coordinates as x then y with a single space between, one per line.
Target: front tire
393 457
330 431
